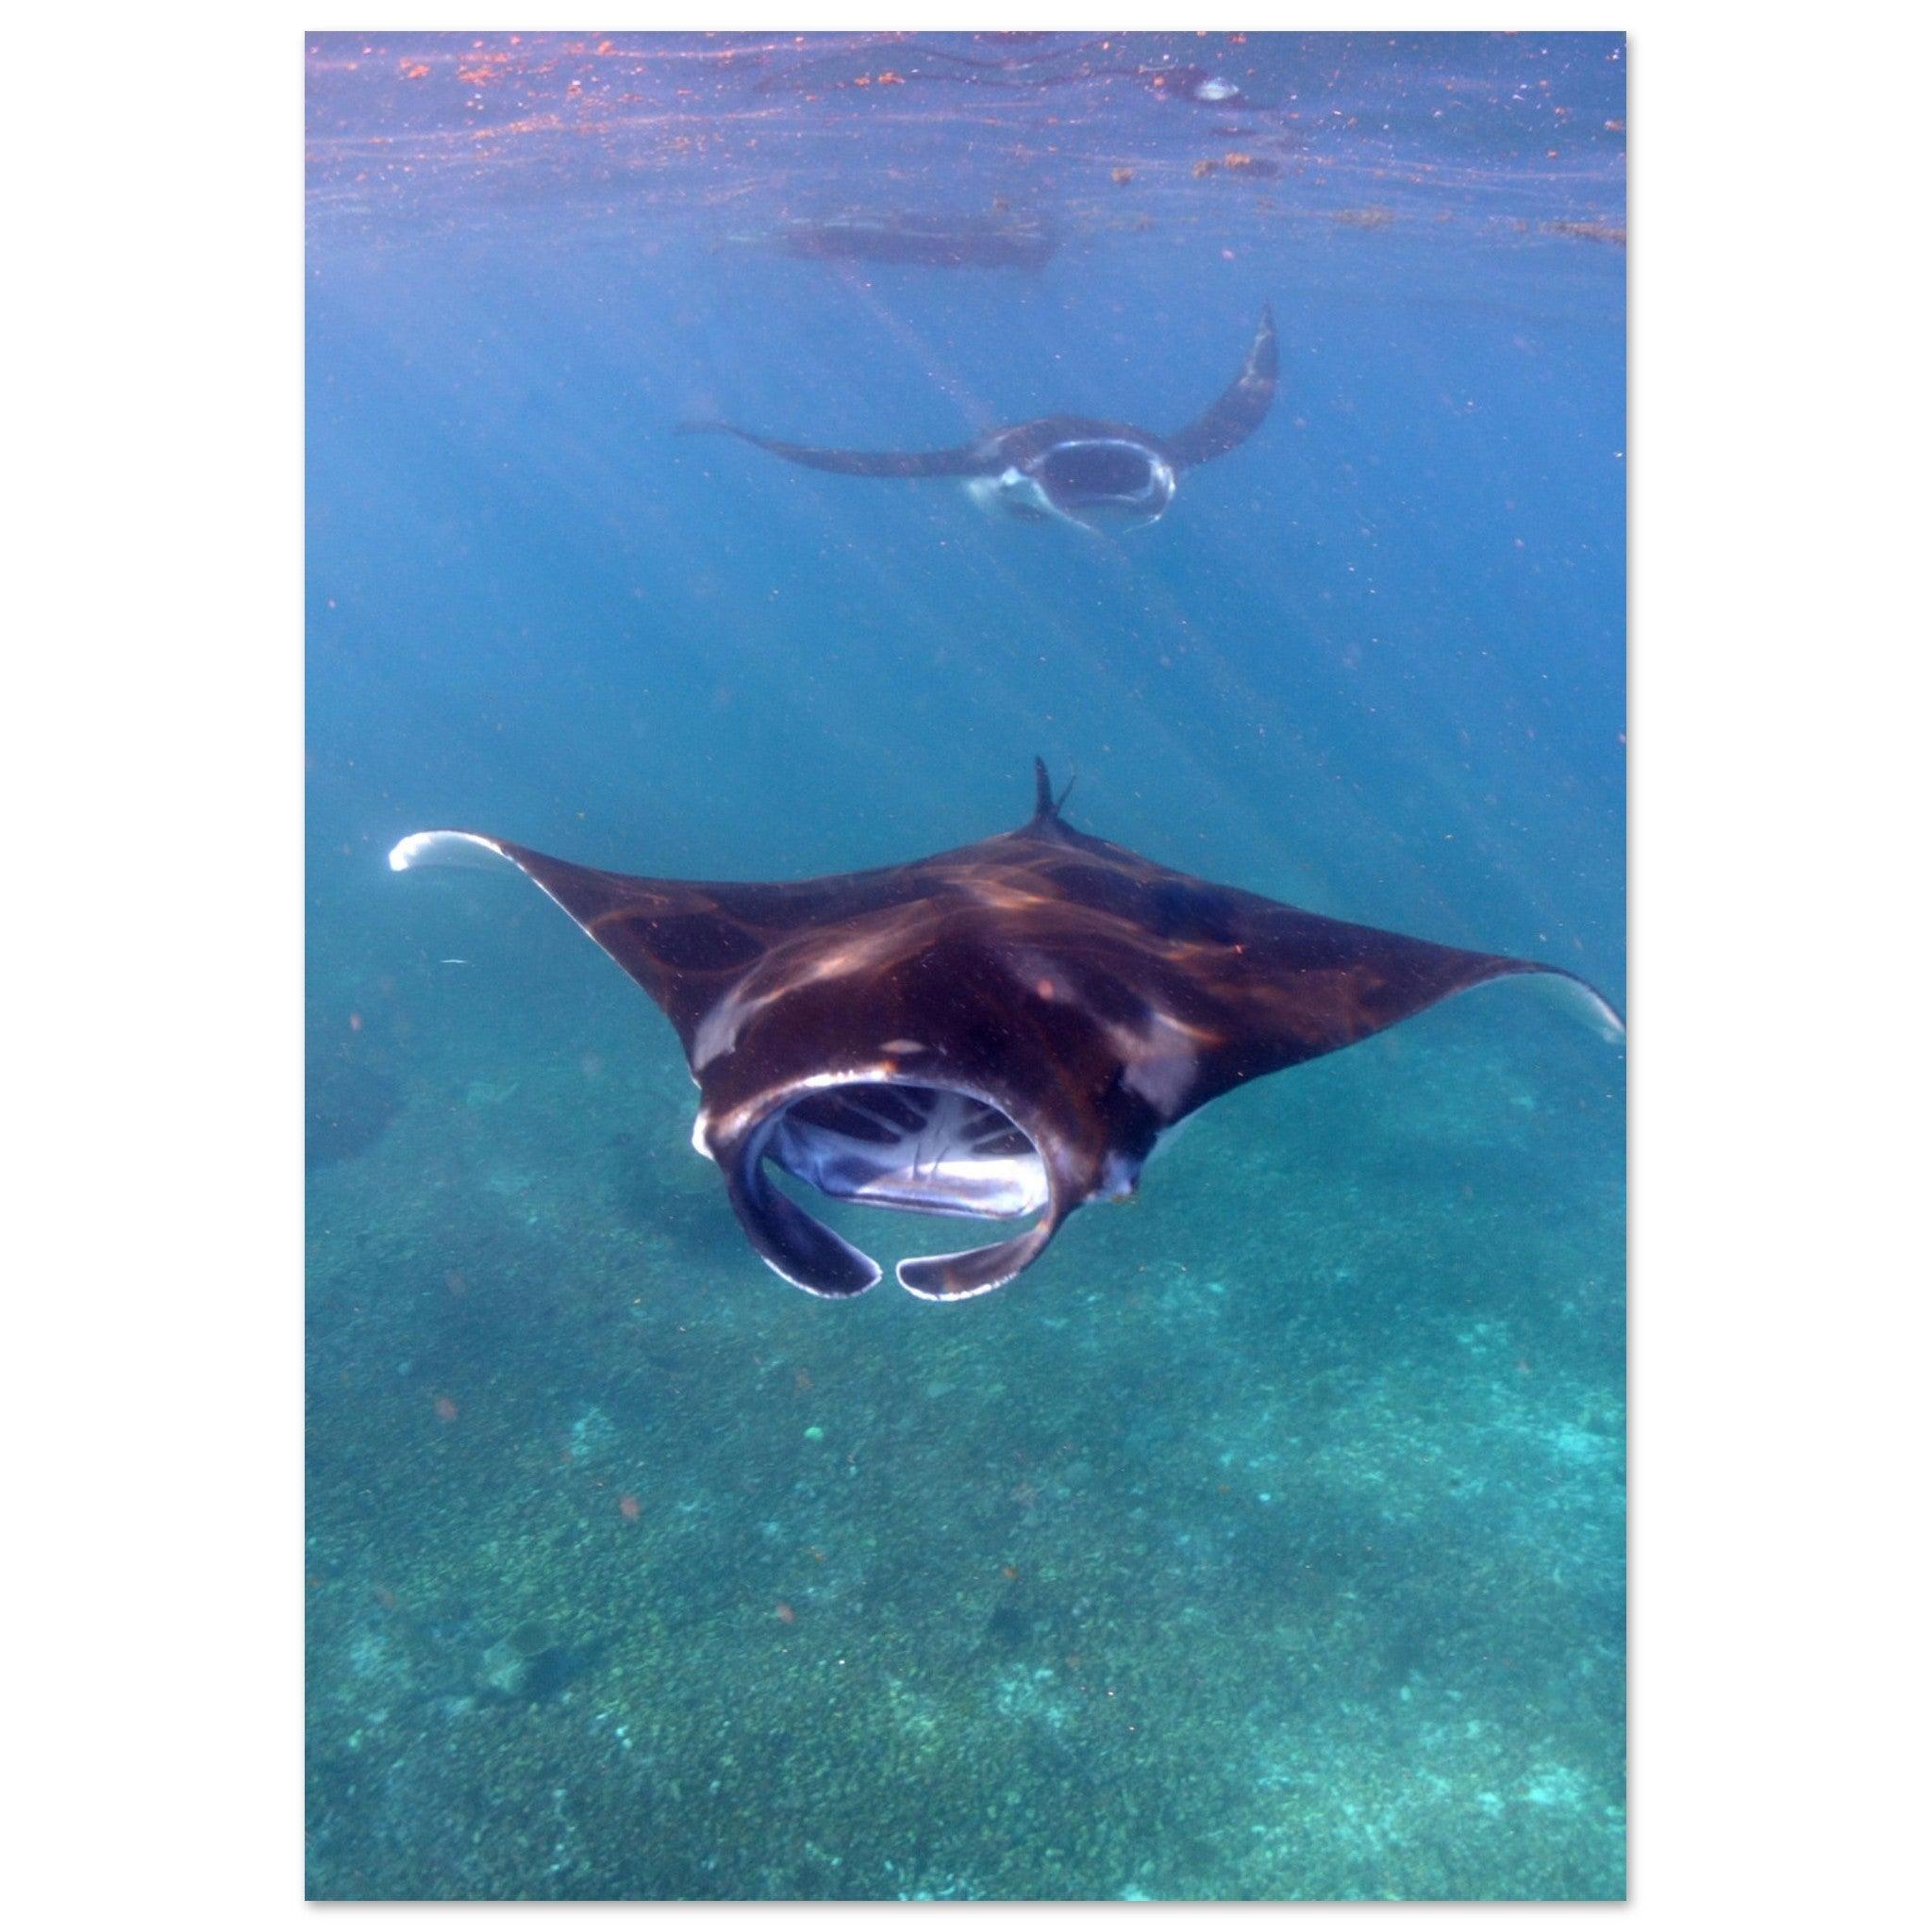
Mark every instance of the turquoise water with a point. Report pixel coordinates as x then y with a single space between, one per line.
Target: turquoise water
1265 1539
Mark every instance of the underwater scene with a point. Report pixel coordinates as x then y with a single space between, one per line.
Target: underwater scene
1007 617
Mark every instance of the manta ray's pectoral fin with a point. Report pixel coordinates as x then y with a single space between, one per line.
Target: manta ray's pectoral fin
1238 411
1574 997
669 935
967 459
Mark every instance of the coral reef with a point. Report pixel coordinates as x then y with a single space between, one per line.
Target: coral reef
1261 1544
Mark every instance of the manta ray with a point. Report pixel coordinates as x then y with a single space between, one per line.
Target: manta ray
1073 468
1002 1031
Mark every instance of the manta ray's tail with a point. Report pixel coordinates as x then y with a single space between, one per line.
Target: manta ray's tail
1045 806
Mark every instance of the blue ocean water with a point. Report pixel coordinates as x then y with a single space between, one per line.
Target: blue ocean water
1265 1539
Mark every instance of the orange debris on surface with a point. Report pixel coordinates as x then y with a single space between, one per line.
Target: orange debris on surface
786 1614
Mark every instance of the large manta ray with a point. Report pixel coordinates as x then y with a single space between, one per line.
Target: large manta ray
1002 1030
1074 468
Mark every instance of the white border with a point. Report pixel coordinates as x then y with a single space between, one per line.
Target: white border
153 769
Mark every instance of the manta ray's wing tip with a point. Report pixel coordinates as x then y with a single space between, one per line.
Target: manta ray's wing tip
445 848
1581 1000
1265 356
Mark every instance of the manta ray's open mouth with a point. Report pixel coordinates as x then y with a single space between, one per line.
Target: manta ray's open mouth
1098 471
925 1148
1107 474
884 1143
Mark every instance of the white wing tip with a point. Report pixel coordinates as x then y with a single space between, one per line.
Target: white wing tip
443 848
1582 1001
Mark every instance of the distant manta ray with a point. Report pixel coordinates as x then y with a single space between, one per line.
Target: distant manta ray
1003 1030
1074 468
